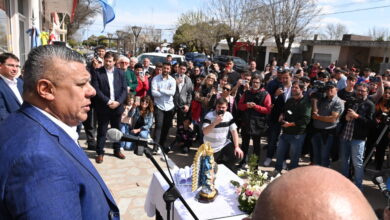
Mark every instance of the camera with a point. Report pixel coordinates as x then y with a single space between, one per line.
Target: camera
352 103
141 74
319 89
220 112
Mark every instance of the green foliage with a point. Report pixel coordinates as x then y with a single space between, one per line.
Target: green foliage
73 43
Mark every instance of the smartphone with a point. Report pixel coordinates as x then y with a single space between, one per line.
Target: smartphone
137 100
220 112
374 79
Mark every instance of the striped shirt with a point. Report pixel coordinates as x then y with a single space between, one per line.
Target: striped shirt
218 137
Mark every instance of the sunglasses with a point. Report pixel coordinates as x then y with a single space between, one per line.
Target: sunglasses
226 89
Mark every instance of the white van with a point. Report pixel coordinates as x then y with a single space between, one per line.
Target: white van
159 57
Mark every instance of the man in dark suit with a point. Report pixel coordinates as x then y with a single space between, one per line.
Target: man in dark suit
11 87
111 93
49 176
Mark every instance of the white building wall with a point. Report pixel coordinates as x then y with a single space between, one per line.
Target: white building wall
16 17
334 51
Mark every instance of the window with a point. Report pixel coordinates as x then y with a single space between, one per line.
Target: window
4 26
322 58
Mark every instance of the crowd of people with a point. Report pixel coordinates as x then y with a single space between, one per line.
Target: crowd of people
331 113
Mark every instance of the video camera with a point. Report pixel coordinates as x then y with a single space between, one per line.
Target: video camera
319 89
352 103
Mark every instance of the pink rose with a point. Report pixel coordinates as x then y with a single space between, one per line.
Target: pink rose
248 192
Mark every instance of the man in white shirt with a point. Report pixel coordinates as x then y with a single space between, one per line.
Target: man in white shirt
111 93
216 127
163 90
11 87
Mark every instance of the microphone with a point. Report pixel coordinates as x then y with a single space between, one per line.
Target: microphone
378 180
116 135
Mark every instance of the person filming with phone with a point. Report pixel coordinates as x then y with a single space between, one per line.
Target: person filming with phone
216 127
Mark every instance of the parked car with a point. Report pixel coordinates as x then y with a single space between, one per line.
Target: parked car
159 57
240 65
197 58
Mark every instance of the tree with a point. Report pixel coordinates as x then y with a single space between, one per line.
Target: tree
237 16
198 32
73 43
86 9
335 31
286 20
378 34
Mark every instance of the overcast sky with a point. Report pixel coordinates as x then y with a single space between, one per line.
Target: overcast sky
163 14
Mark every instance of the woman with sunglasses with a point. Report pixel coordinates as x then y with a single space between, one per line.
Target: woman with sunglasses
225 93
207 91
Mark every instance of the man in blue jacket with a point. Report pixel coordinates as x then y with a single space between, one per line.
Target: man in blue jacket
11 87
44 174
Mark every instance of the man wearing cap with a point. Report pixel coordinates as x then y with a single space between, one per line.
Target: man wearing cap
326 113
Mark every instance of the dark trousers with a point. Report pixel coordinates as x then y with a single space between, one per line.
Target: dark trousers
90 127
273 136
245 146
103 120
226 157
181 115
162 125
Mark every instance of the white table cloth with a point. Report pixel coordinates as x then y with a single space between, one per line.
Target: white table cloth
224 206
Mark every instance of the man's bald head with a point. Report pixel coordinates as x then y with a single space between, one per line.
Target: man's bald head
312 192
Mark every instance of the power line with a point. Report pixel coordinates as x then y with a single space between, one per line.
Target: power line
355 10
354 3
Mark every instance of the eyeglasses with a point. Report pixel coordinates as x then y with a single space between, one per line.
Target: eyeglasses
124 63
12 65
226 89
144 101
256 82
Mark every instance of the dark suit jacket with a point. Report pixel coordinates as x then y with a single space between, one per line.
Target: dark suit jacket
44 174
8 101
100 83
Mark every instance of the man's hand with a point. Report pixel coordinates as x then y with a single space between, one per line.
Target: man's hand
250 105
186 108
136 131
288 124
238 152
315 115
278 92
352 114
114 105
218 120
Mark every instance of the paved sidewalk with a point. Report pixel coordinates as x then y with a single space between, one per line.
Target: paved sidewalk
128 180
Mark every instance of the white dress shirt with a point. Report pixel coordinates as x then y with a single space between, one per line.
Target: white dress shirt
13 85
110 76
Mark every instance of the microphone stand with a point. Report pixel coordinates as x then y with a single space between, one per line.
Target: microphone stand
172 193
